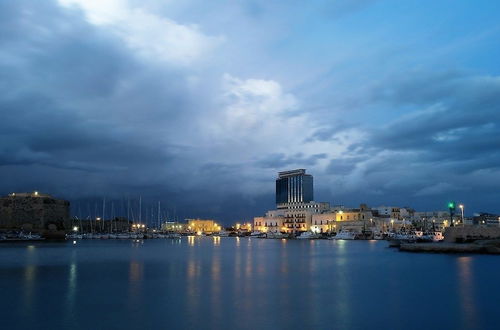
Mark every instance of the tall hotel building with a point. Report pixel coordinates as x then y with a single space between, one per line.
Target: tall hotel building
295 205
293 187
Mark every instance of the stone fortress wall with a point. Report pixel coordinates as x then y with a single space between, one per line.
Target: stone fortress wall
33 212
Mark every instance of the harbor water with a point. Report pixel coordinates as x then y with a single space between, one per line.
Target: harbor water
243 283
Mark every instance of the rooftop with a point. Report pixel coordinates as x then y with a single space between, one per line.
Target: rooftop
285 174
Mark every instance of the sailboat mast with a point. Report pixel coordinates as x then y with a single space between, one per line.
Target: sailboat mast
103 212
140 209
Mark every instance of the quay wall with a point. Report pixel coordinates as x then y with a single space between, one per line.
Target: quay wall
470 233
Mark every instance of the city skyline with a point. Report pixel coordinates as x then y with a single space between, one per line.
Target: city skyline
201 105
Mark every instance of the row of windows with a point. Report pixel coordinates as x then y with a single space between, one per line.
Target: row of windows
296 226
321 222
354 218
266 224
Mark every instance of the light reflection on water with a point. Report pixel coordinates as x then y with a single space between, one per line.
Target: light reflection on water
342 284
200 282
466 290
30 273
72 282
136 271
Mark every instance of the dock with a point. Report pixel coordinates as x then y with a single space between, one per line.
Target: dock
482 246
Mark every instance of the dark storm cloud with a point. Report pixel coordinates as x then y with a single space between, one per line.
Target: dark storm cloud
280 160
458 118
83 116
85 113
343 166
60 107
447 145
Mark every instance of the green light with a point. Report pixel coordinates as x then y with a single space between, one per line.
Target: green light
451 205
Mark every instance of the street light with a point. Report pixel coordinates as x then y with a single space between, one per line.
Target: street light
461 206
75 228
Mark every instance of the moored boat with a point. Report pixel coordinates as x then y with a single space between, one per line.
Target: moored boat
344 235
274 235
308 235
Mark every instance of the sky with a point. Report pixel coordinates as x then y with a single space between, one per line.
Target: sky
198 104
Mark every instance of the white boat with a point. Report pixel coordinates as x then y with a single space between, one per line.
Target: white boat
274 235
222 233
30 237
308 235
436 236
257 234
174 235
123 236
344 235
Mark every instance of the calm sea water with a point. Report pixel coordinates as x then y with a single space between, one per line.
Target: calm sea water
242 283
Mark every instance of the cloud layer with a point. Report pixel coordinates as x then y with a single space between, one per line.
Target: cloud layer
200 105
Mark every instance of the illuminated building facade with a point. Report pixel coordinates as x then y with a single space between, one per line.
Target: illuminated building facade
272 222
202 226
294 204
174 226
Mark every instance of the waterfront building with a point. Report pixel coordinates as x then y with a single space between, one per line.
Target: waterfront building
202 226
33 211
393 212
174 226
295 206
271 222
437 220
242 227
487 219
363 213
324 222
341 218
298 216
